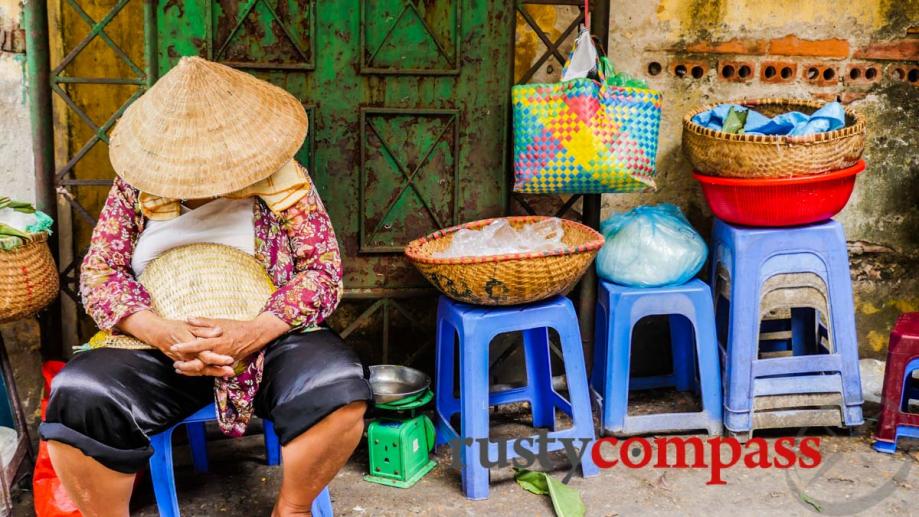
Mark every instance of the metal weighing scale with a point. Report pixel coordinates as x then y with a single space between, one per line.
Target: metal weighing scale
400 443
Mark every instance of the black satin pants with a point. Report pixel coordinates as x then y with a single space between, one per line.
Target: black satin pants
107 402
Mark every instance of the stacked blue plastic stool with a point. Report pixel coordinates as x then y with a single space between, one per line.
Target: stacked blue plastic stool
692 330
163 475
476 327
802 389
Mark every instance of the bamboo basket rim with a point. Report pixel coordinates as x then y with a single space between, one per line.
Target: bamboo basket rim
858 127
414 249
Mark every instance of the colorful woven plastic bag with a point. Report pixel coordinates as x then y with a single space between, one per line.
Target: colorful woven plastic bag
582 136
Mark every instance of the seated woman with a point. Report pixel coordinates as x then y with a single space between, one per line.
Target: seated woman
206 156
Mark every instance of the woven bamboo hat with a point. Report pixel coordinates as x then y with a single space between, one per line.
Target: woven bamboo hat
205 130
203 280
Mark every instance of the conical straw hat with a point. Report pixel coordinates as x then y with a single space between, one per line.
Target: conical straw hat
205 130
203 280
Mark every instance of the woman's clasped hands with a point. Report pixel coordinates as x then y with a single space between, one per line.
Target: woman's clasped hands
204 346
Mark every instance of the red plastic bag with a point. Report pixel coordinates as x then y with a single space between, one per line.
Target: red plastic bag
50 498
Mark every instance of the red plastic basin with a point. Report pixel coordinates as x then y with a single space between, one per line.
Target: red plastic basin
779 201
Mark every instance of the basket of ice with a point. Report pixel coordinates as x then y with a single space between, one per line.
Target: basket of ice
506 261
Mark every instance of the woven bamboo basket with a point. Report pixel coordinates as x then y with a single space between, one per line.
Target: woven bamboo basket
28 279
203 280
506 279
716 153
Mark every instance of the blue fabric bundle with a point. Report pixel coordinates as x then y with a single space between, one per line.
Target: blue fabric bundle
830 117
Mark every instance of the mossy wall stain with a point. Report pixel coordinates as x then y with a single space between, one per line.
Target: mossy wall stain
528 44
693 17
698 18
896 16
553 21
877 341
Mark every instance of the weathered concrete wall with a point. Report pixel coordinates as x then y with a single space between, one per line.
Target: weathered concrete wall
17 180
681 46
863 35
16 168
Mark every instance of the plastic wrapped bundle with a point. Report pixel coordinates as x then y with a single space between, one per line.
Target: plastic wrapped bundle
650 246
500 238
18 221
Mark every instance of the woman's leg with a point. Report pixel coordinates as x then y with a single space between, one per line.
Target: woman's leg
95 489
312 459
103 406
314 391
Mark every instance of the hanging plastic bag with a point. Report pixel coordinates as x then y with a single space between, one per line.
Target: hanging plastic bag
650 246
584 135
583 58
48 494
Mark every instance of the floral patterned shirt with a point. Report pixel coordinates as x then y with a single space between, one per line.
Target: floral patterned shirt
297 247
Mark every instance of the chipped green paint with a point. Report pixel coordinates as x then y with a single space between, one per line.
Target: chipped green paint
24 87
408 103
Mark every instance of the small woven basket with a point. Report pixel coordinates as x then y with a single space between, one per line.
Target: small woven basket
717 153
506 279
28 279
204 280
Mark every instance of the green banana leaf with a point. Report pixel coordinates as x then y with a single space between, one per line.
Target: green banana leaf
19 206
11 237
566 501
533 482
734 122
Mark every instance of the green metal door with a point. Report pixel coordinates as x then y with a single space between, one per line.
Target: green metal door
407 101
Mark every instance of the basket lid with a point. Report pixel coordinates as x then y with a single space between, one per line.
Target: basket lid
207 280
203 280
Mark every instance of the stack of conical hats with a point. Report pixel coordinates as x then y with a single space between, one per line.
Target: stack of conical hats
205 130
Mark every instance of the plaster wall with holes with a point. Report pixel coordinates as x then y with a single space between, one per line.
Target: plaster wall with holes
863 52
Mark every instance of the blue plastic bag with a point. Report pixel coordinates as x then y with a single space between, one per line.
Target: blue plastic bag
650 246
830 117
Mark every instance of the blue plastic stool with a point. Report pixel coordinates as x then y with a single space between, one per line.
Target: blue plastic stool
476 327
753 255
163 476
619 308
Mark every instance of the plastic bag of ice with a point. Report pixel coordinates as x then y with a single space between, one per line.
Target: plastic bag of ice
650 246
501 238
